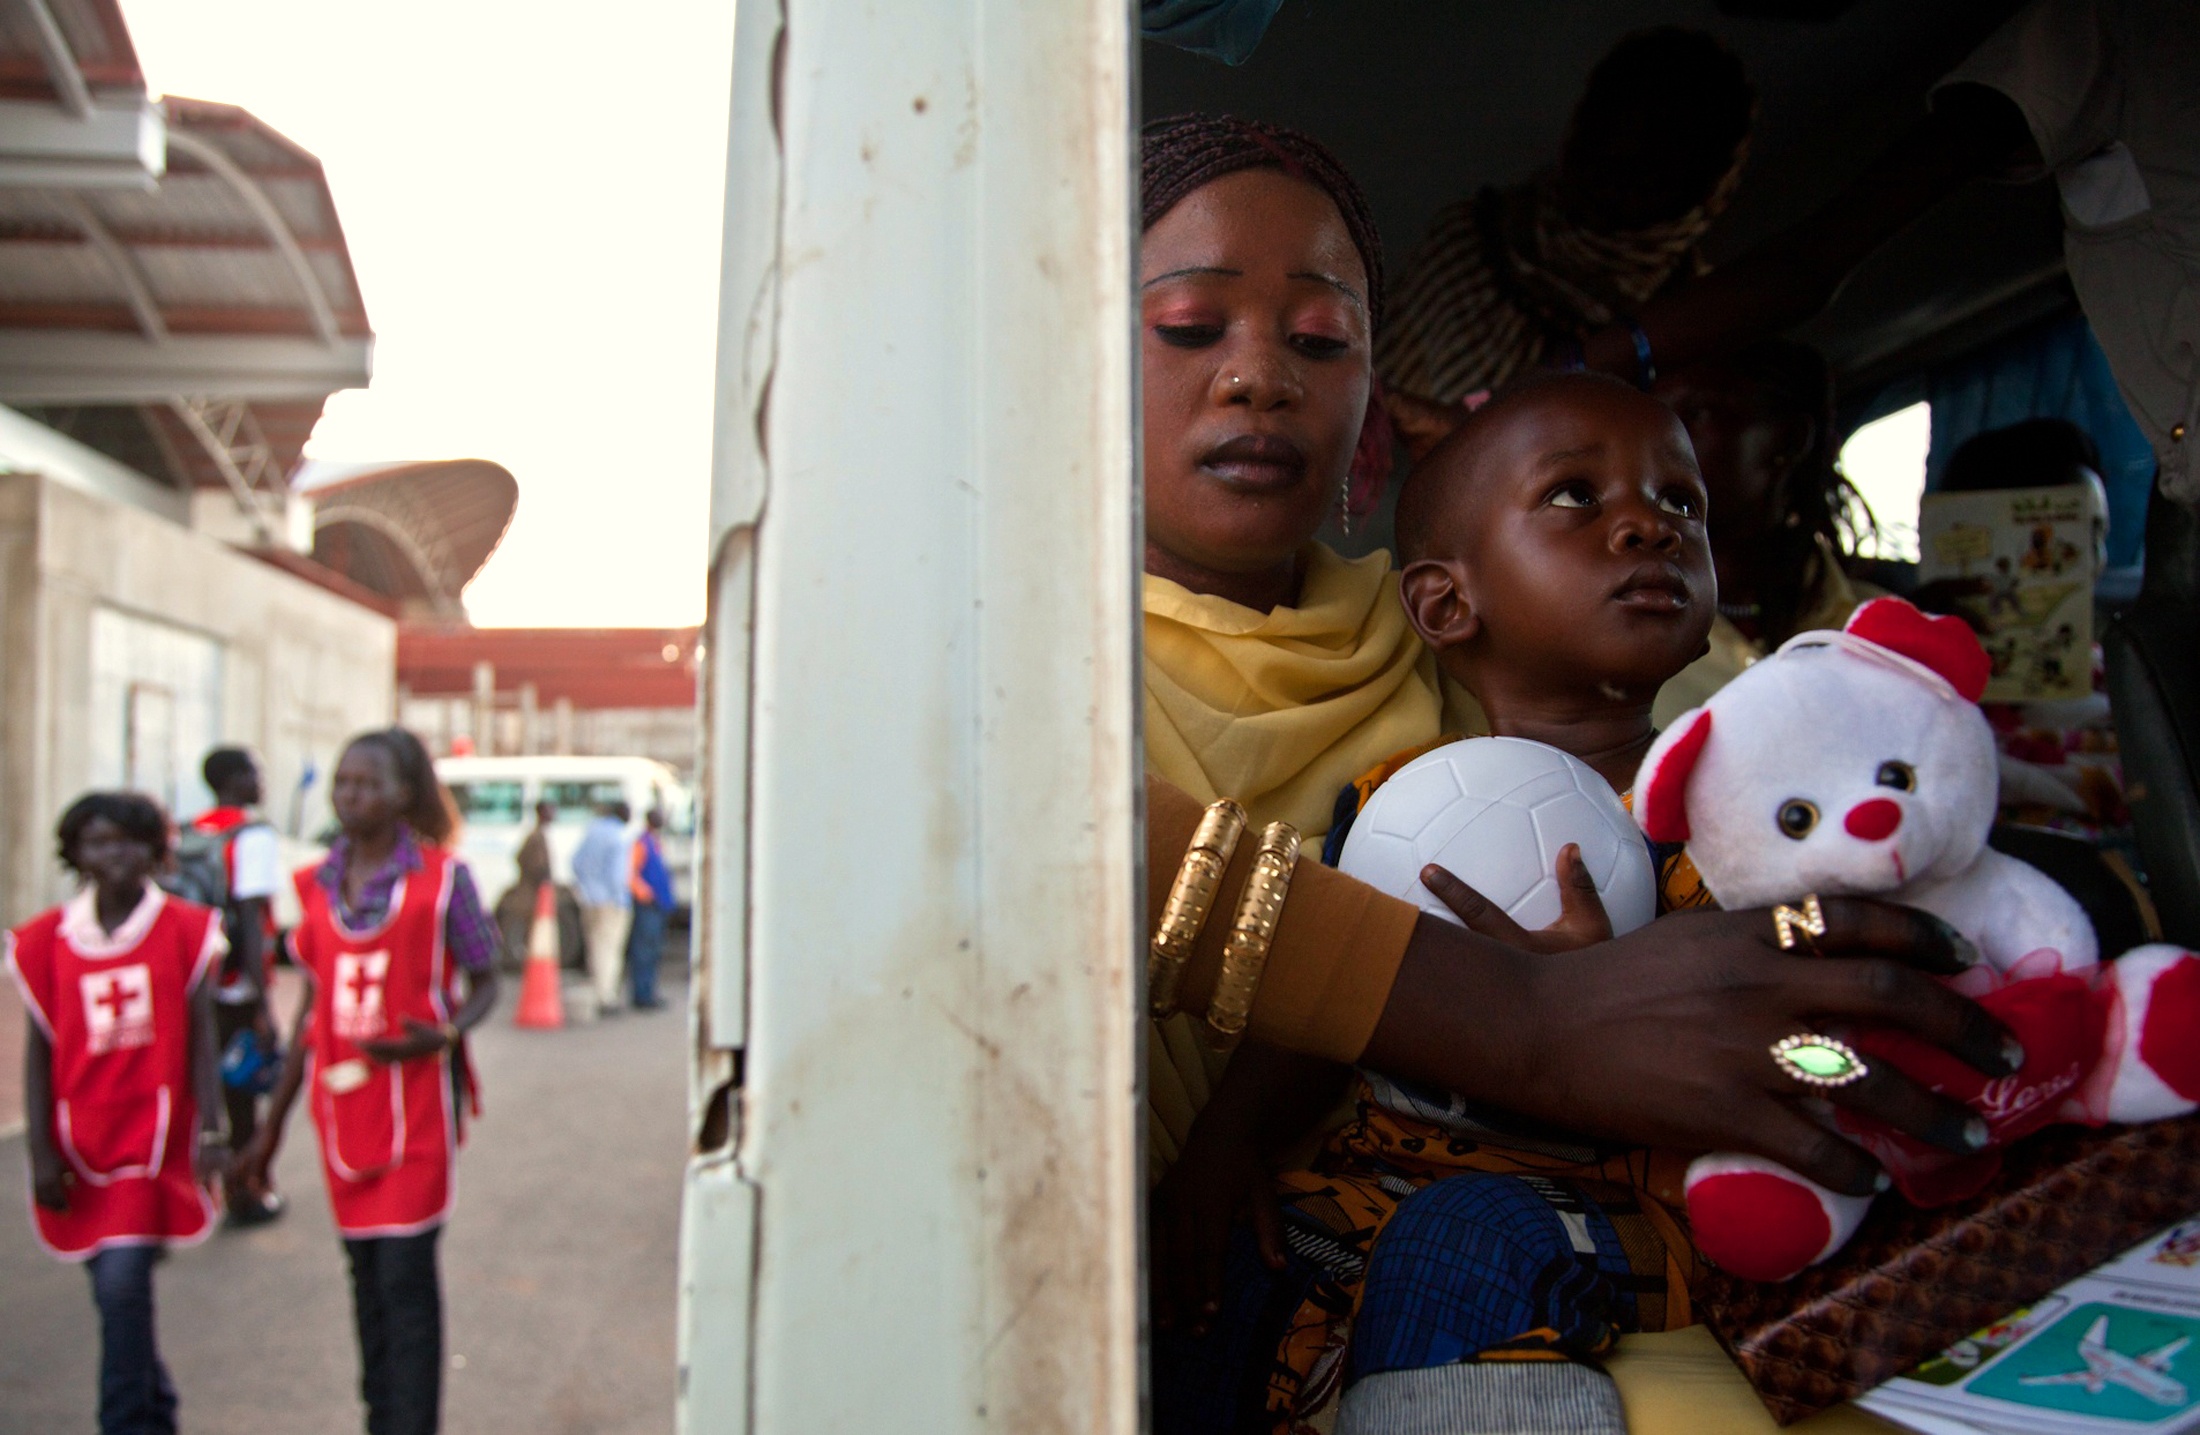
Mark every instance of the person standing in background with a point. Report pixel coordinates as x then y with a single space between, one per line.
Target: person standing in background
534 852
515 910
649 881
252 865
601 867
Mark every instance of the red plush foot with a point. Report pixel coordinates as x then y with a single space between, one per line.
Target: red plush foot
2155 1034
1757 1225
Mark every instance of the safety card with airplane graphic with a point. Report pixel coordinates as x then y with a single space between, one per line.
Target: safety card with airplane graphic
2116 1350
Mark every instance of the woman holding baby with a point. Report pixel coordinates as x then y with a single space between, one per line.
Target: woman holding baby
1277 673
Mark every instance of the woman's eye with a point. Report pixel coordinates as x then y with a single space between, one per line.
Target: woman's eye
1898 775
1573 495
1797 818
1188 336
1681 503
1319 346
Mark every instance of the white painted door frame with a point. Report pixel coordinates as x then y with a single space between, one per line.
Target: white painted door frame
913 1203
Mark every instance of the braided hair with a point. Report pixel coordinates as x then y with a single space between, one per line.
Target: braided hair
1817 500
1182 153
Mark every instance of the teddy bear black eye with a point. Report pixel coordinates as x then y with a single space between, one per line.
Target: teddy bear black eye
1798 817
1898 775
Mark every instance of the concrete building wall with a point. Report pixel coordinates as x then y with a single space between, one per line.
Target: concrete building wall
298 668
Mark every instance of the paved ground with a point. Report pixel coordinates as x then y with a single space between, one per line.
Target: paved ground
558 1266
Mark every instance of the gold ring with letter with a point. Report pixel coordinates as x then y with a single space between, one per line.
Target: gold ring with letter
1252 933
1820 1061
1810 921
1190 896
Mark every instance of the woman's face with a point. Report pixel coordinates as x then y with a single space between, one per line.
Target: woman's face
111 857
366 792
1744 449
1255 351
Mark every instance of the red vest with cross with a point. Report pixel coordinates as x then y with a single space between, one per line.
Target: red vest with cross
388 1132
116 1009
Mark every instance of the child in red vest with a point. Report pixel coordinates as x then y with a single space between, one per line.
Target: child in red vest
122 1091
401 958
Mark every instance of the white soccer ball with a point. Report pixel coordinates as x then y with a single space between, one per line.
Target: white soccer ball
1495 811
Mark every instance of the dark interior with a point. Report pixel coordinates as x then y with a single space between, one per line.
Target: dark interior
1427 100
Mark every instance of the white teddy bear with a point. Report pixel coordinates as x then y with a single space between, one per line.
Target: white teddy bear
1858 762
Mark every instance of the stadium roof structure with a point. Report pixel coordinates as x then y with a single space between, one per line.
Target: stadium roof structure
187 312
415 533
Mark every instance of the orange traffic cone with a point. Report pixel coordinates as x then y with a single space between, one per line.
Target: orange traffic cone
541 1002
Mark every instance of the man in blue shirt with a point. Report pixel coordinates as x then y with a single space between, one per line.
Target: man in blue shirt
601 865
650 883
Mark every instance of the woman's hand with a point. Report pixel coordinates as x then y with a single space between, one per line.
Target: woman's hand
1663 1036
50 1180
420 1039
210 1162
1581 918
1220 1173
249 1170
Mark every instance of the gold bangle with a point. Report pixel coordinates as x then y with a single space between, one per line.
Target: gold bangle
1252 932
1190 897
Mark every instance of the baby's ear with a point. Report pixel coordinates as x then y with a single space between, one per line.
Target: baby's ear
1435 595
1661 787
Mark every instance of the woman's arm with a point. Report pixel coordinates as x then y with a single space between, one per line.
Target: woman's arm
49 1178
204 1048
1659 1037
251 1168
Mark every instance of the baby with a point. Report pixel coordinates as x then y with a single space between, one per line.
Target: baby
1556 562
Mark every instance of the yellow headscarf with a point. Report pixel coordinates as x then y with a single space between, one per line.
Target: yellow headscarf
1278 710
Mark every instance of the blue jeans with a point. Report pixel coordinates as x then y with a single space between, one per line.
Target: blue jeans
136 1397
645 945
397 1300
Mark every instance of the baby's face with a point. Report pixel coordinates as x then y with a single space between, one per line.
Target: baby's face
1583 537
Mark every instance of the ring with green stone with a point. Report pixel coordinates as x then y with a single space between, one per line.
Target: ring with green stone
1819 1061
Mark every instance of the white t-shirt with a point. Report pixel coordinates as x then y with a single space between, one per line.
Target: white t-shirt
2111 92
255 862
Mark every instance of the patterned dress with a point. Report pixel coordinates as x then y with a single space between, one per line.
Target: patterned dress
1499 1240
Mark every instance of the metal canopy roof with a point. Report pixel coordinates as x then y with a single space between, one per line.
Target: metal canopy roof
416 533
193 328
73 109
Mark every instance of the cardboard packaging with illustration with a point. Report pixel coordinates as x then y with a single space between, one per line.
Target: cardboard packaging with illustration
2033 554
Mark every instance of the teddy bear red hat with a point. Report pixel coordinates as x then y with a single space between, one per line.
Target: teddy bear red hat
1945 645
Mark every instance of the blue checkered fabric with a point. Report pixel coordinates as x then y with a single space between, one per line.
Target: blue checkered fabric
1479 1264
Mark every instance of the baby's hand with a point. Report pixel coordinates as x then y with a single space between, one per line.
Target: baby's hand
1581 920
1219 1174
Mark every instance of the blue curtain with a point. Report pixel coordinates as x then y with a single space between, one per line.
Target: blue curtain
2054 370
1225 30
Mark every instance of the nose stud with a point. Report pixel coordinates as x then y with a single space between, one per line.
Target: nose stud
1235 382
1873 820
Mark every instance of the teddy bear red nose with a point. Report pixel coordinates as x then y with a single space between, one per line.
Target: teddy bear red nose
1873 820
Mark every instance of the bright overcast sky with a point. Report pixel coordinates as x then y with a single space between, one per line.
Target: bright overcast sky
531 194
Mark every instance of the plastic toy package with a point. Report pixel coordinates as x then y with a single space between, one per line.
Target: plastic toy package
2114 1350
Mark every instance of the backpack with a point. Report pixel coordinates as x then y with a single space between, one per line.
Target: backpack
201 872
